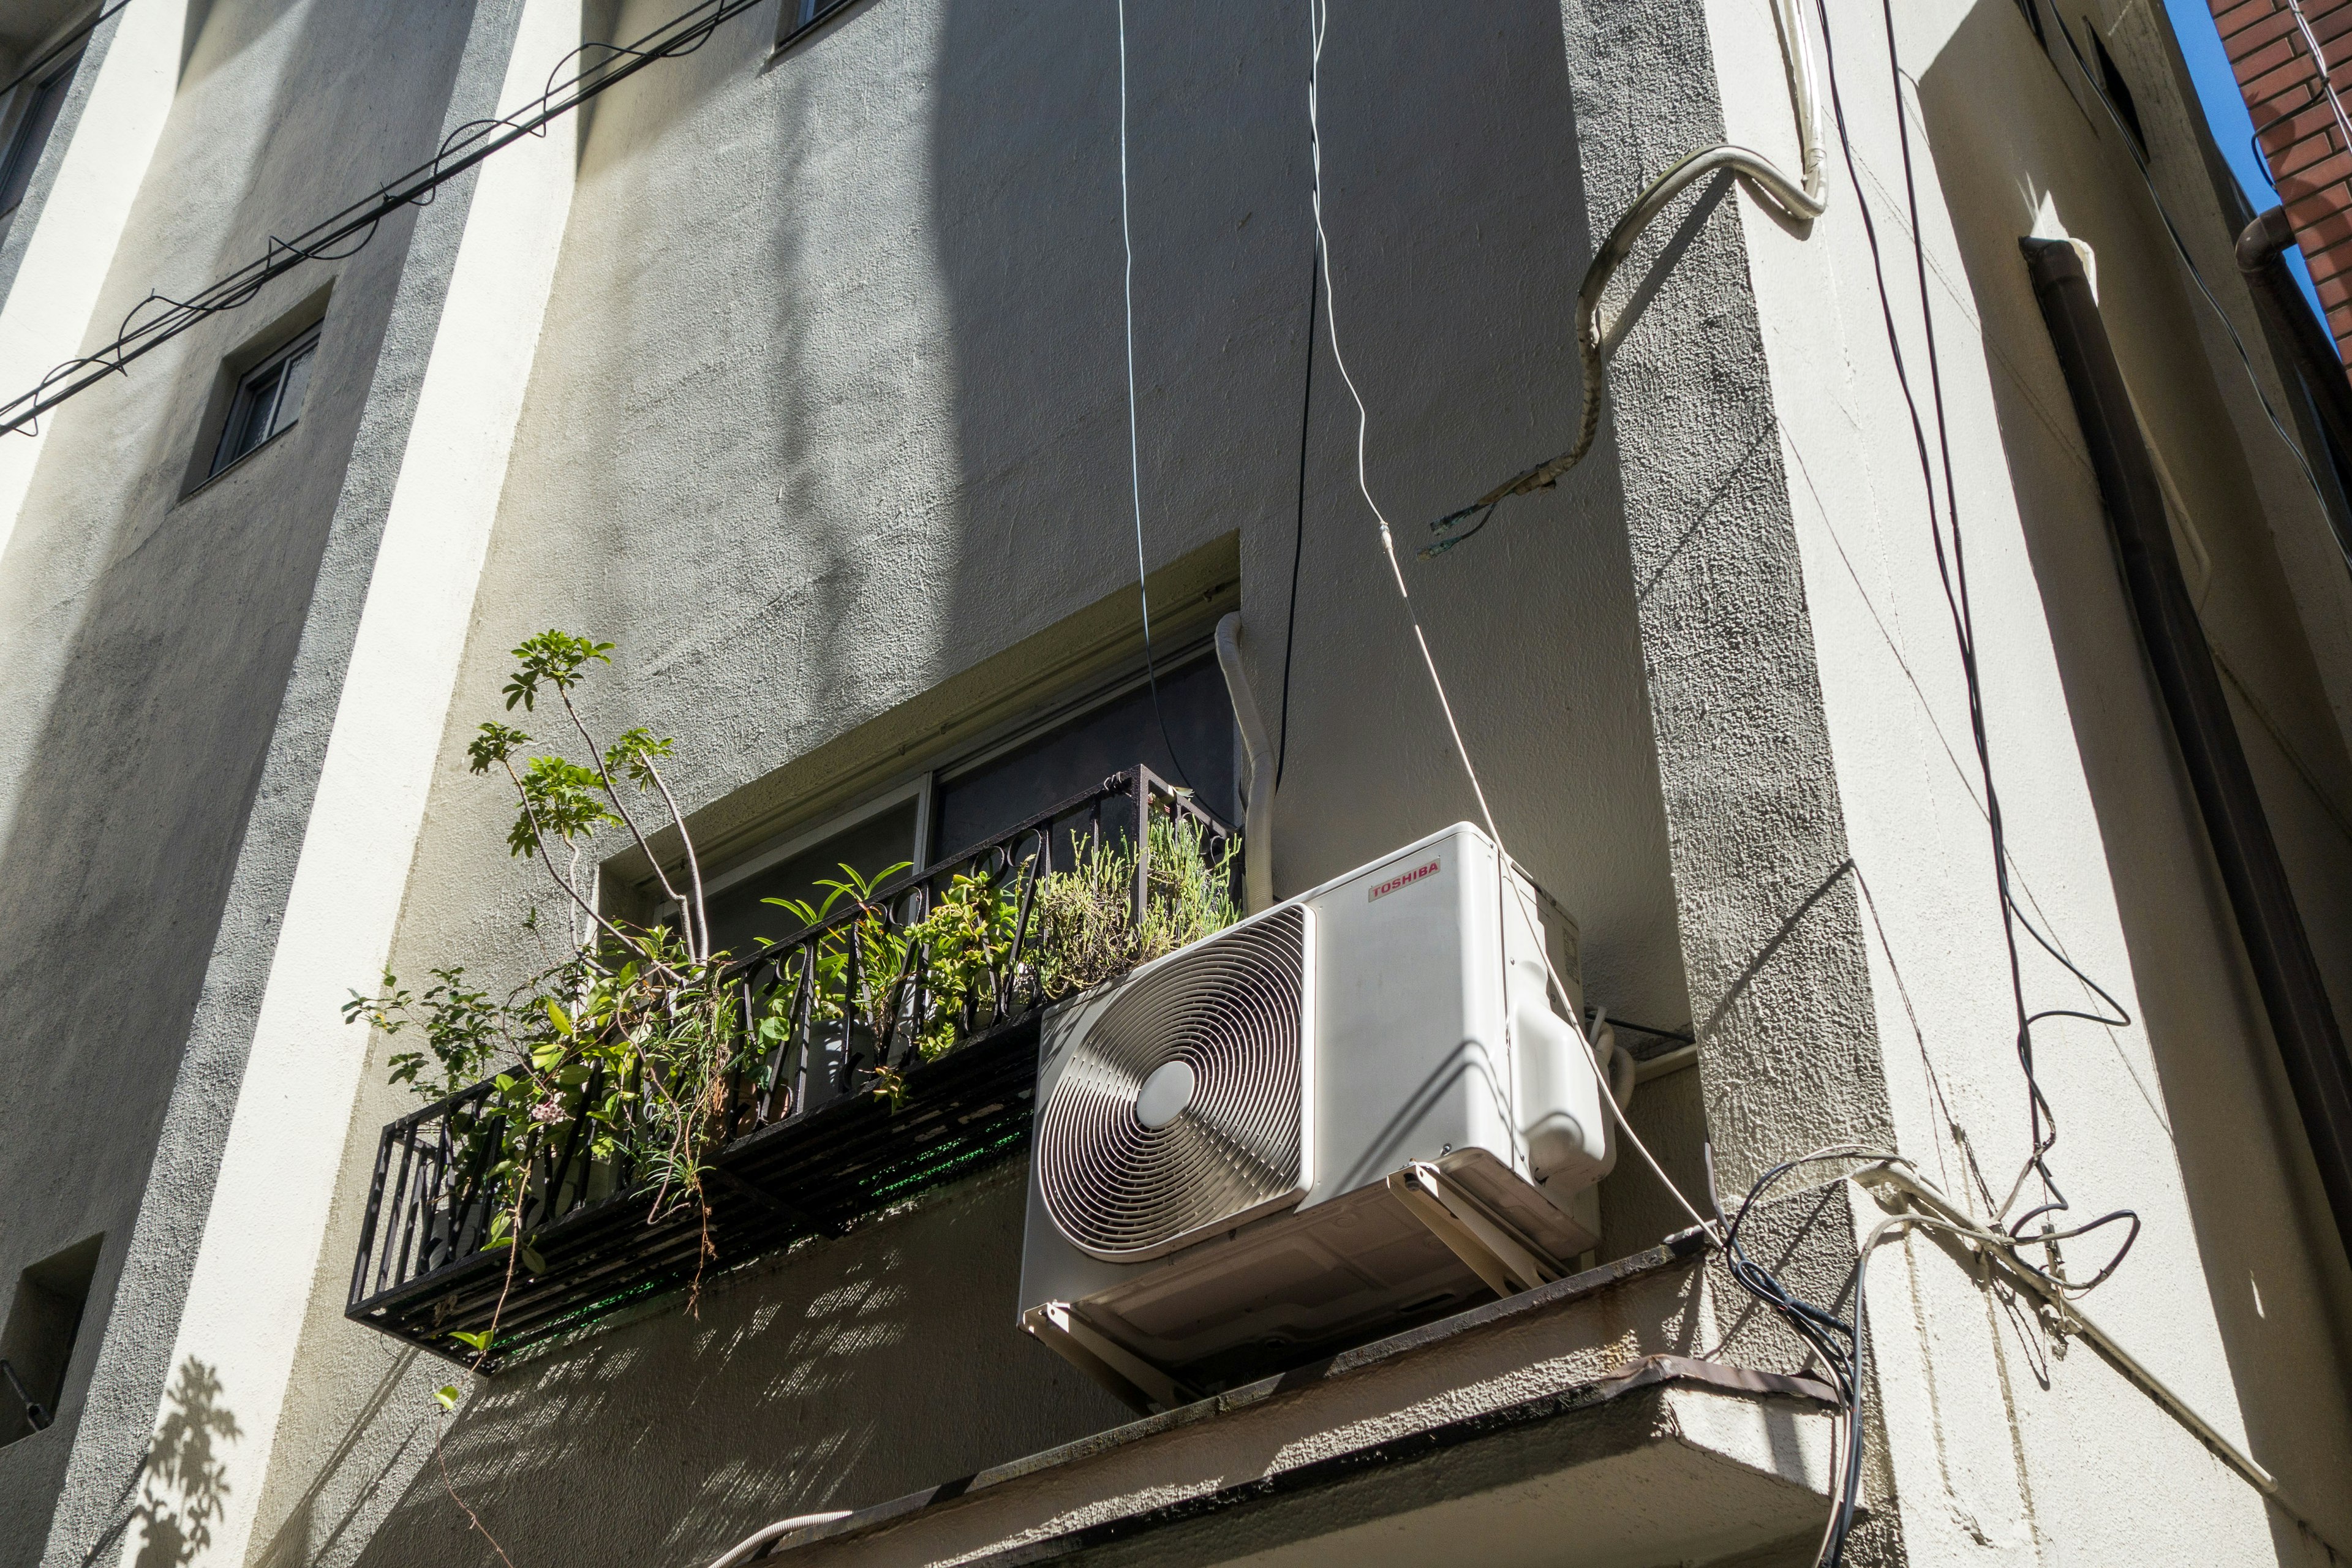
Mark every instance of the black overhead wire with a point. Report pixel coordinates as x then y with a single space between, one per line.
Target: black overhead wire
1299 532
1951 567
352 228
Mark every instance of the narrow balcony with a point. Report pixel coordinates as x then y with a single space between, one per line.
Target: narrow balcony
871 1064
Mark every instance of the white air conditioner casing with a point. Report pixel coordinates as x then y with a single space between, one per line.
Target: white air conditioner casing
1375 1114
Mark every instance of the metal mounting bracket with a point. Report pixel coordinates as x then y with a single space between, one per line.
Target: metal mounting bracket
1064 1328
1488 1245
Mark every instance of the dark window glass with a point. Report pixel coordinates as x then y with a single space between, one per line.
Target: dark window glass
268 400
801 14
37 1346
2032 11
31 135
737 916
1012 788
2119 90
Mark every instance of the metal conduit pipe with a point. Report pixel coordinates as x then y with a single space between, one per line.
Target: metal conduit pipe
1801 200
1257 772
2262 247
2278 949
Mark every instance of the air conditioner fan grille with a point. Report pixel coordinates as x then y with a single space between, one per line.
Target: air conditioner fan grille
1232 1009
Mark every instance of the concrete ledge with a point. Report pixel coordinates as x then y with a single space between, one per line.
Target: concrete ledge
1573 1407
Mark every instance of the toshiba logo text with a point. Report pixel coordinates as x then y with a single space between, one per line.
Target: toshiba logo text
1402 880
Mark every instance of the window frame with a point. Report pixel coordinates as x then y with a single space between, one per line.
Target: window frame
923 787
238 421
797 18
23 153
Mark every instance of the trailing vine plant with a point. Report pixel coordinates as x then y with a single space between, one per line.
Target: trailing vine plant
633 1039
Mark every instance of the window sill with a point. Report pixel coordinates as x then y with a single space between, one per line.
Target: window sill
239 461
792 41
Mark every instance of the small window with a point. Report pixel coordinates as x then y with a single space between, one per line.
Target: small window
2119 90
32 134
37 1344
799 16
268 400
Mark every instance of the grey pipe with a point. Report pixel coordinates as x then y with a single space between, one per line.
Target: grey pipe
1257 772
2303 1020
2262 247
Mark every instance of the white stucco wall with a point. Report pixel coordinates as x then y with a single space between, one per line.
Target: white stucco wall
2182 1115
253 1272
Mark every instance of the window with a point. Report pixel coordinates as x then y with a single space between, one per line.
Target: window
799 16
2119 90
993 792
1001 786
32 134
37 1344
268 400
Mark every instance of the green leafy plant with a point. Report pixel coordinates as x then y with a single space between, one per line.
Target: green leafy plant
632 1042
1088 929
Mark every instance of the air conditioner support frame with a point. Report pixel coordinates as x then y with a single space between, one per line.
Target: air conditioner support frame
1129 1376
1487 1244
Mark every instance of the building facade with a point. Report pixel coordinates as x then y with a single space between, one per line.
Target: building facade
842 370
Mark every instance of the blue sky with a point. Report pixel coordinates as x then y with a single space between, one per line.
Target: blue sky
2225 112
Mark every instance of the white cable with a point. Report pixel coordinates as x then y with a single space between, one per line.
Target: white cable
1134 450
1318 19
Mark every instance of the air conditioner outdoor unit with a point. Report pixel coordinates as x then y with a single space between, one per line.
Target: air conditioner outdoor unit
1355 1110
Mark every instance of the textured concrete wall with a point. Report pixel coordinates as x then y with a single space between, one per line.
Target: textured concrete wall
2004 1438
829 411
170 669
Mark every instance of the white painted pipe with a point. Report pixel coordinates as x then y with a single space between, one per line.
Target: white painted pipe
1257 773
751 1545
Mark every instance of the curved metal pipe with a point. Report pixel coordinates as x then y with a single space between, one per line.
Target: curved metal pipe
1801 202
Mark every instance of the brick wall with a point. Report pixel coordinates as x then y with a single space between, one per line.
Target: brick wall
2302 129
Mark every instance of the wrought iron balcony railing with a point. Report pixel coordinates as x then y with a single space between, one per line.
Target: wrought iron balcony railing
892 1071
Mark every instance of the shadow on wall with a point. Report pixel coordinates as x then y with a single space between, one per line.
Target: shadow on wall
1458 236
181 1491
146 644
853 1371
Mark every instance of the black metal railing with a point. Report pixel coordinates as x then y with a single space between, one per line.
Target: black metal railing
873 1056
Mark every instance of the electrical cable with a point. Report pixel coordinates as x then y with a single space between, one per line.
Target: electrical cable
1298 533
1800 202
356 225
1134 450
2180 248
1318 19
1951 567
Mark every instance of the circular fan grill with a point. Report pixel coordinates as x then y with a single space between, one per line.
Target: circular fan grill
1211 1044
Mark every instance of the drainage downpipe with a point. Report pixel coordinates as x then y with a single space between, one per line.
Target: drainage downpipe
2262 244
2310 1044
1257 772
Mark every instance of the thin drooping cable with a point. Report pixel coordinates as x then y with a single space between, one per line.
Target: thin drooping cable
1298 531
2189 263
1800 202
353 228
1951 567
1318 21
1134 447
